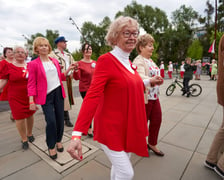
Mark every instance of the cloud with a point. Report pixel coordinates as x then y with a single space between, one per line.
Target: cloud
32 16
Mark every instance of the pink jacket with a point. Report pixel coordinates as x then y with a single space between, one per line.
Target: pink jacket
37 80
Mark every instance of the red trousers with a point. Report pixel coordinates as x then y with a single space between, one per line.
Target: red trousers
162 73
170 74
182 74
154 115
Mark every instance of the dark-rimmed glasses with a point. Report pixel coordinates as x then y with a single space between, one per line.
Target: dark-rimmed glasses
127 34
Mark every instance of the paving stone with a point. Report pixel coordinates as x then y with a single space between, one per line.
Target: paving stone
90 171
38 171
170 166
184 136
17 161
197 171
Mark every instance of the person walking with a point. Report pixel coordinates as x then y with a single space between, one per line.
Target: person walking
147 69
170 69
214 159
115 100
182 70
16 75
162 73
65 59
84 72
45 88
8 58
214 70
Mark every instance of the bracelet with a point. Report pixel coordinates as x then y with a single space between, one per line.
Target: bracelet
76 138
32 102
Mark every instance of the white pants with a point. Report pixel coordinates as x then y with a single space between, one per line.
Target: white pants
121 165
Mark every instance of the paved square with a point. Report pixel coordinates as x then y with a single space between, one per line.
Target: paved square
64 160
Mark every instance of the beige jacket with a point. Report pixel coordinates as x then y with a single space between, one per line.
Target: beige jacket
220 82
69 100
143 71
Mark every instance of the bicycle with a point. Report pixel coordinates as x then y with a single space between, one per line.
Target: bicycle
194 89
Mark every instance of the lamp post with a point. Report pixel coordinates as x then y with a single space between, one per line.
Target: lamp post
215 26
27 45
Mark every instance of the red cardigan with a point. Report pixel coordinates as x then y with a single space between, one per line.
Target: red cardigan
84 75
116 102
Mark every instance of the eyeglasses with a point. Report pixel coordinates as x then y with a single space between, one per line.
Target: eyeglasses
20 52
127 34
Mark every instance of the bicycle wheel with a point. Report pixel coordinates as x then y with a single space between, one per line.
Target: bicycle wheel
170 89
195 90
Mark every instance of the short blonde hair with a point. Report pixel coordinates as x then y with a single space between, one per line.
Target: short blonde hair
38 41
116 26
143 40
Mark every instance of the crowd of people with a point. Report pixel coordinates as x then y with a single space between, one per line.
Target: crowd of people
121 97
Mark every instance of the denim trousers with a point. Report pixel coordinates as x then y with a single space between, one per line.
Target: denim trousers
214 155
54 116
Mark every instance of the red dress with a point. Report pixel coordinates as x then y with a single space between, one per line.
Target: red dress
17 91
116 101
4 94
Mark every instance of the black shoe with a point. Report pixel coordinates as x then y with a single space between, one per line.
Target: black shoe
68 123
60 149
25 145
31 138
219 171
52 156
90 135
188 94
183 93
66 116
209 165
160 153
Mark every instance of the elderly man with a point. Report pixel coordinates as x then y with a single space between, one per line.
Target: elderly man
65 59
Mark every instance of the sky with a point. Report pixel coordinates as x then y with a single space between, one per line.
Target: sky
23 18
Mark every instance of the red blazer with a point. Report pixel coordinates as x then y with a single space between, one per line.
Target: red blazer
115 100
37 80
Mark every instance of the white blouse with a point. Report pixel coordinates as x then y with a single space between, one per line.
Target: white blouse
52 76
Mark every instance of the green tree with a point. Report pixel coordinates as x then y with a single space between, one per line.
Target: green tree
195 50
95 34
183 20
153 21
50 35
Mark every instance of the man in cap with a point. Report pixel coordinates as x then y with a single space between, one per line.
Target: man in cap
65 59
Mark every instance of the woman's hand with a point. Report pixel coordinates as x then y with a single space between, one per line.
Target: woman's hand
72 66
33 107
156 80
75 149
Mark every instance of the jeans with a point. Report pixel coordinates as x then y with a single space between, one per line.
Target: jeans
54 116
186 85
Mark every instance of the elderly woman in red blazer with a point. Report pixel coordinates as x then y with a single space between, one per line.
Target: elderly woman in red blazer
45 88
116 102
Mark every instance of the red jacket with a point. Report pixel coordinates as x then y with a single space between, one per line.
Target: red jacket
37 80
115 100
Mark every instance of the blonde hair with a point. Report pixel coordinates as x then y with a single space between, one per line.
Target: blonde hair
39 41
116 26
143 40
